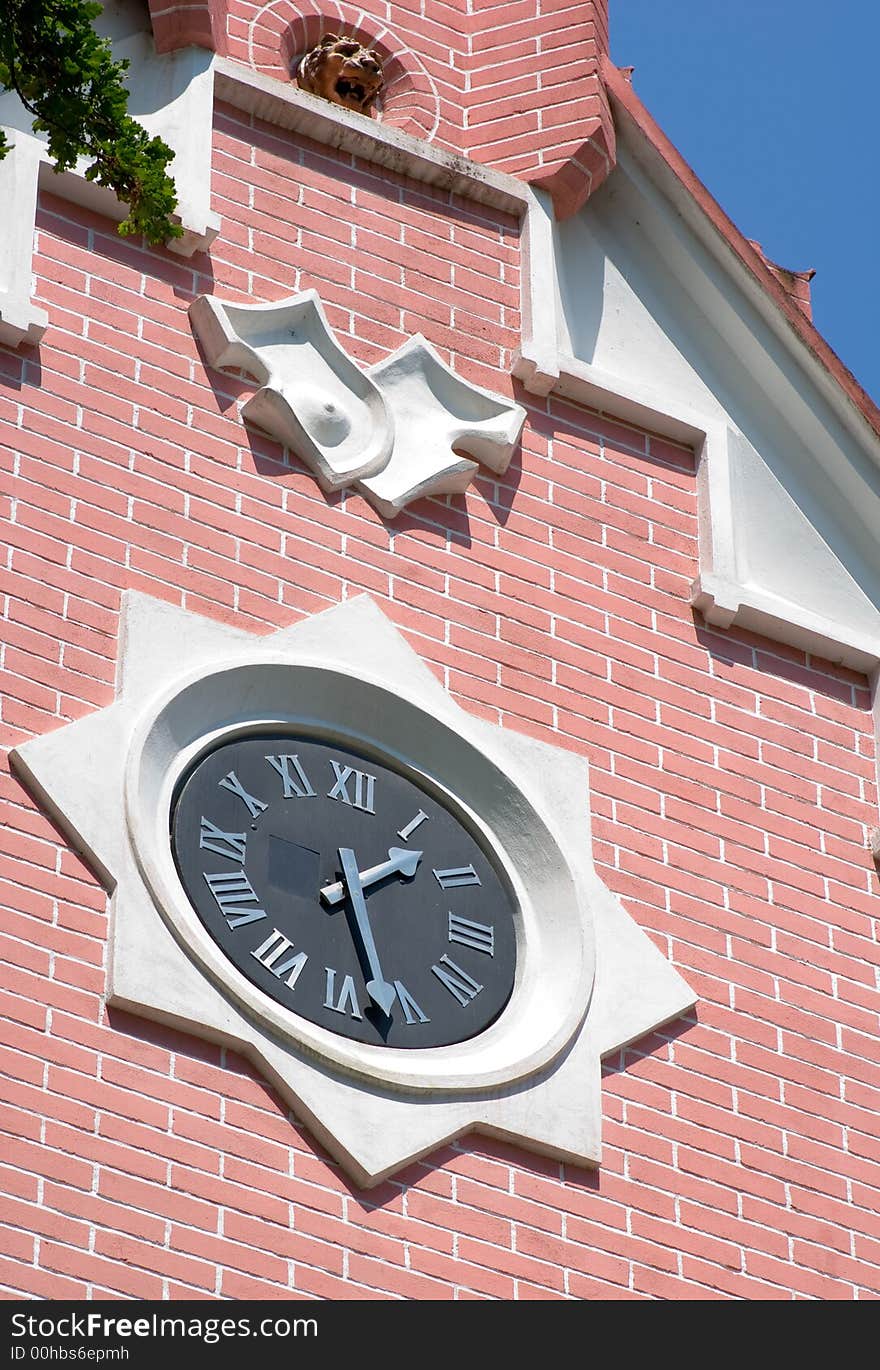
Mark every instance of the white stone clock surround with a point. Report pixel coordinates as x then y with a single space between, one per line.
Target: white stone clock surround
556 962
589 981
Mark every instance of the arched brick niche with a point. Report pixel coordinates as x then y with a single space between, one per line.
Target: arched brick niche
282 32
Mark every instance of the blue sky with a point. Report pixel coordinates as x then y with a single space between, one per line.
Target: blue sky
776 106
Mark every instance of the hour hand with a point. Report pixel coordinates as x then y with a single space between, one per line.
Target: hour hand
400 862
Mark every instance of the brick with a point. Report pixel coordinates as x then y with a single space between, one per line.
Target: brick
228 1254
113 1274
795 1279
40 1284
163 1201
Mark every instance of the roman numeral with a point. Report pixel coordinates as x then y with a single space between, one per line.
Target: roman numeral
364 786
406 833
461 875
229 844
478 936
232 782
231 888
456 980
347 1000
270 954
296 786
411 1011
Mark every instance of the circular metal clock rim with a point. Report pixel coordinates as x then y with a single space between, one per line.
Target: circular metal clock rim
554 964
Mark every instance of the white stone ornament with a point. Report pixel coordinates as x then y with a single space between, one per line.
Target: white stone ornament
436 416
313 398
172 95
405 427
588 980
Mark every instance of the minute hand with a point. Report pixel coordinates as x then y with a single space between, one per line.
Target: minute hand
378 987
400 862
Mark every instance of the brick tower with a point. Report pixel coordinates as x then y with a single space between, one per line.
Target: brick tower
460 450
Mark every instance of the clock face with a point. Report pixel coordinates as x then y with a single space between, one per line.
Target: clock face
345 891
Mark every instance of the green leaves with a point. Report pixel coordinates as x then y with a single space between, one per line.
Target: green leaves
65 76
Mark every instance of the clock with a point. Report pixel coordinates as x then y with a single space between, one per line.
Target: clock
348 892
319 859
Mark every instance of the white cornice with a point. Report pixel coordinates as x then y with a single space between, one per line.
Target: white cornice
284 104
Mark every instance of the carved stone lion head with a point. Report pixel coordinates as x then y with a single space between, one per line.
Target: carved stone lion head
342 70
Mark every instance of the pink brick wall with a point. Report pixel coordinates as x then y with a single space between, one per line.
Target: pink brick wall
733 783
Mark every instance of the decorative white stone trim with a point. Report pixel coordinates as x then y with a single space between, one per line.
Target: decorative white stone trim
724 591
437 414
172 96
21 321
811 578
397 431
313 398
588 980
285 105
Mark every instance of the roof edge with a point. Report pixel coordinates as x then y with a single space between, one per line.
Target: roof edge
626 103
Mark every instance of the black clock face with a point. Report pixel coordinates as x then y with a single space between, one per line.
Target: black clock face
344 891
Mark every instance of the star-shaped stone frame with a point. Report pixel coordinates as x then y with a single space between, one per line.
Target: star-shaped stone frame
588 982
